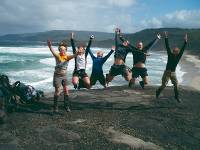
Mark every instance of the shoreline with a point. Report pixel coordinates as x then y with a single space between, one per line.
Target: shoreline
190 64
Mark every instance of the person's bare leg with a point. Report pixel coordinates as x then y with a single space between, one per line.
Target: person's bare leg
144 81
109 78
128 76
132 82
75 81
86 81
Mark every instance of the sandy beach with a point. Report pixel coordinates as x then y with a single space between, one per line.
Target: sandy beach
191 66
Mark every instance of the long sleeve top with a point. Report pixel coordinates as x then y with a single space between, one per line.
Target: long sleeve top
140 55
173 59
97 67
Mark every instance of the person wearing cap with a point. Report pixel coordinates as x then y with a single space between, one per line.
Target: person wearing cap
170 71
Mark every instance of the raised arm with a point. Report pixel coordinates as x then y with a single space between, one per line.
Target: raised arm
73 49
72 43
184 45
91 54
89 45
152 43
117 32
49 43
129 45
167 43
109 54
71 56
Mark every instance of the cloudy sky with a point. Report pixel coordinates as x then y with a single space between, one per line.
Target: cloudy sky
21 16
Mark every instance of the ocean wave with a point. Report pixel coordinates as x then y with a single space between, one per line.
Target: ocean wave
9 59
48 61
25 50
30 50
35 66
48 80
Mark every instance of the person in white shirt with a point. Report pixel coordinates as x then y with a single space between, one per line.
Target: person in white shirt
79 74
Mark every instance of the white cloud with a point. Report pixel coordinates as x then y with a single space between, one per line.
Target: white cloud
39 15
98 15
125 3
181 18
152 23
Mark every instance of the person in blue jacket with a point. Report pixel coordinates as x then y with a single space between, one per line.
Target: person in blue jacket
97 67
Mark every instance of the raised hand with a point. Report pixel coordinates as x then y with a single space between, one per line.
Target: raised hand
186 38
49 43
113 48
158 36
92 37
117 30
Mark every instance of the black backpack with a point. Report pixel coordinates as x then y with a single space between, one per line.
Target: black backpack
5 86
6 95
27 93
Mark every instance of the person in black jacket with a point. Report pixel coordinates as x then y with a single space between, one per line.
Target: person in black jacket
170 71
119 67
139 60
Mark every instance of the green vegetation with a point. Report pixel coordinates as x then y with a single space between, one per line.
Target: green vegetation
105 40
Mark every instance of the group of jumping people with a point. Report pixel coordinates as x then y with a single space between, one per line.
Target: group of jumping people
121 49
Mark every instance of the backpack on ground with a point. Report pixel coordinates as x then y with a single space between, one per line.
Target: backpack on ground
27 93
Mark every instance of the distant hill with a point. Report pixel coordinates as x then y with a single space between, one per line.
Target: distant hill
105 40
176 36
56 35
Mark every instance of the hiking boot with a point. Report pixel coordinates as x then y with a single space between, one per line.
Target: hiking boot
157 94
67 109
55 105
80 84
142 84
55 109
67 103
75 86
178 99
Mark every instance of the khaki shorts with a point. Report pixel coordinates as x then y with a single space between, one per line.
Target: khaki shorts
169 75
59 80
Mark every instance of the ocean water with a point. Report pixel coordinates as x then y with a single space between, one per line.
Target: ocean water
34 65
